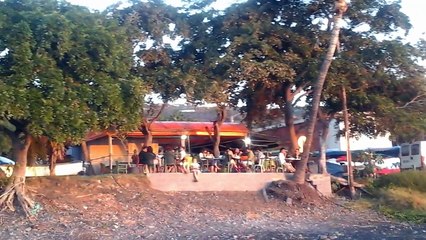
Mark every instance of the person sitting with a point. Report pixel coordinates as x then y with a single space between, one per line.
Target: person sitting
281 158
213 164
195 169
135 157
230 161
180 158
202 155
237 158
250 158
187 162
169 160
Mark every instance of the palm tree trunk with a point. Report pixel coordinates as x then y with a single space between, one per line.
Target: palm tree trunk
300 175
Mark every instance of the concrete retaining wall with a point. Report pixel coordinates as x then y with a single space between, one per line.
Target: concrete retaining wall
226 182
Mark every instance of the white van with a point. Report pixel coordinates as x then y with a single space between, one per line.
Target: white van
413 155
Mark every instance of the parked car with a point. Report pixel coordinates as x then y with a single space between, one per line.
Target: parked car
6 161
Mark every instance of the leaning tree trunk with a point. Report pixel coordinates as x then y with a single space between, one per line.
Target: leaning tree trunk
16 187
147 134
322 161
145 127
299 176
216 130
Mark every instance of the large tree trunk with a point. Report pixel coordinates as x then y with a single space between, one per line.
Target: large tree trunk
16 186
56 153
145 127
299 176
52 164
322 164
147 134
216 130
289 123
85 150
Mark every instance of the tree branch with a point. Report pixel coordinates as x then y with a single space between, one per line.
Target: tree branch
415 100
300 96
158 113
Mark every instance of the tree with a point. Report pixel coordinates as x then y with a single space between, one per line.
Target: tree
340 8
270 56
374 73
157 63
63 72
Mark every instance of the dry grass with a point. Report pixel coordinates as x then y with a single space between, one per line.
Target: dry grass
402 196
404 199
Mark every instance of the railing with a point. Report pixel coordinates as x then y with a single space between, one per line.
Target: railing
108 161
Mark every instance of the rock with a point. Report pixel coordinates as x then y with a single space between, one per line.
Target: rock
289 201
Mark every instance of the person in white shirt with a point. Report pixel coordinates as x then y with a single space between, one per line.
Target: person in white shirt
281 157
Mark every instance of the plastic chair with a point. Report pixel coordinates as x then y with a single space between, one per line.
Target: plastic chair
121 167
260 165
280 168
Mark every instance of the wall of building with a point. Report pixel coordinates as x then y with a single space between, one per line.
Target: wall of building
333 142
282 134
356 143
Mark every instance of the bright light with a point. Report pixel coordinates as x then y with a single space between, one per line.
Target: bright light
183 137
247 141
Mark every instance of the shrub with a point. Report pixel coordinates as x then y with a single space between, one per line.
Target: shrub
402 195
413 180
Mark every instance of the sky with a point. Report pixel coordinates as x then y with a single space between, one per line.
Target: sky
413 8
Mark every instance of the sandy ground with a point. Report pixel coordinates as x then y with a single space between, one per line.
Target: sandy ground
125 207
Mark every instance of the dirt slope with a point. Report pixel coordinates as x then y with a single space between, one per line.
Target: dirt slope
125 207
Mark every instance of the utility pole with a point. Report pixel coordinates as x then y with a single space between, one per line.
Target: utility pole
348 148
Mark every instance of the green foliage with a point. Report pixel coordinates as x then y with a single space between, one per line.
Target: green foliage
401 196
413 180
369 161
66 71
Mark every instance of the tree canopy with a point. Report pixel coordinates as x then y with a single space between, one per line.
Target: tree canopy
64 71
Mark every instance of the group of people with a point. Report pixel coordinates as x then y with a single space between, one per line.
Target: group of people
177 160
243 161
173 159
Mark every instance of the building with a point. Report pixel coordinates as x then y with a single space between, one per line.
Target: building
106 148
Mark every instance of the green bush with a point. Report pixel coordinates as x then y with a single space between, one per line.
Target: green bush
413 180
401 196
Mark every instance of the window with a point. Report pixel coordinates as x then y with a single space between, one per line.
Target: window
415 149
405 150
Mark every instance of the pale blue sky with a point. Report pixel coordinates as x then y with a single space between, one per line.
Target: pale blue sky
413 8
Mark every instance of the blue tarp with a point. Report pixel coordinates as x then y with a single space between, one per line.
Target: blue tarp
391 152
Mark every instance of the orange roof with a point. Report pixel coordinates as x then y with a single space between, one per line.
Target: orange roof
166 128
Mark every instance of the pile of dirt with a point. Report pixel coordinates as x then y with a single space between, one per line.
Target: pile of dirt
294 193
